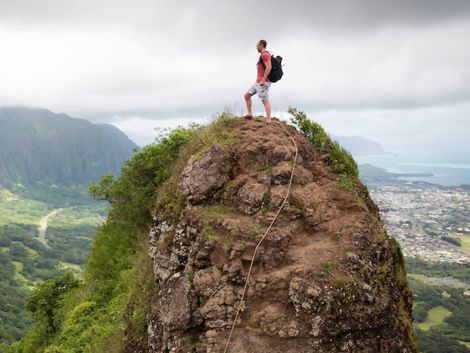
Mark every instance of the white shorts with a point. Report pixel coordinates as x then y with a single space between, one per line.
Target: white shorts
263 91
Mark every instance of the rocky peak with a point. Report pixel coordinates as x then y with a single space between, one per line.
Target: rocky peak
327 278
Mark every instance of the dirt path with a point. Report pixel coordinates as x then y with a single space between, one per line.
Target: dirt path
42 233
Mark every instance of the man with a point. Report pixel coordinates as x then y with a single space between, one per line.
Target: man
262 84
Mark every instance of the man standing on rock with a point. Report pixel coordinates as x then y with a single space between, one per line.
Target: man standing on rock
262 84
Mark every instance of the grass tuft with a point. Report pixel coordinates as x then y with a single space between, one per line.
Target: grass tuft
328 265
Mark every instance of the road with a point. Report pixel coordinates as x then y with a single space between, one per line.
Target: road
42 233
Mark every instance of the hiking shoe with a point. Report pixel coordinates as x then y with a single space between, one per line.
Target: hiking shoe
248 117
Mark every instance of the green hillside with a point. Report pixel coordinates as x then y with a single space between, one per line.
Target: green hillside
116 134
441 313
37 145
24 261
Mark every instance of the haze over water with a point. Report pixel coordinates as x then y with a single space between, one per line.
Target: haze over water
448 169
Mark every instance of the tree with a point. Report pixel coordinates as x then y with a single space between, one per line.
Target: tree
29 266
18 251
46 299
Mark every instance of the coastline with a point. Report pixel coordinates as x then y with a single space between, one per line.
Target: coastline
447 170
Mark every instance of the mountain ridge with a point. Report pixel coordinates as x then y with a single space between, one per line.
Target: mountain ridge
118 135
359 145
40 146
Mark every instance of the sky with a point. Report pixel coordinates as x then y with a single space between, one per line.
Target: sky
396 72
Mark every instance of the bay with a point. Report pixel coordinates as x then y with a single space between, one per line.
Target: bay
448 169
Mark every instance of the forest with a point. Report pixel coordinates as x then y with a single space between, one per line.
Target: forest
451 332
25 262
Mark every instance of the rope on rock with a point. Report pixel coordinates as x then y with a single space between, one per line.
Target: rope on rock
257 246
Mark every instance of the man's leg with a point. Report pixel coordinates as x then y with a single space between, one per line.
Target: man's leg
267 105
248 103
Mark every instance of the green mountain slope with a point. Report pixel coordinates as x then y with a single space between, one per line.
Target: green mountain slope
24 261
38 145
116 134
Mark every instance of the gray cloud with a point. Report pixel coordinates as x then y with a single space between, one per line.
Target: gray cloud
385 63
329 14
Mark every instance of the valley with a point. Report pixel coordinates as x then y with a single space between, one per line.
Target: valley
33 251
47 217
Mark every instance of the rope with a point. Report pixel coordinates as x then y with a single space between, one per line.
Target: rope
264 236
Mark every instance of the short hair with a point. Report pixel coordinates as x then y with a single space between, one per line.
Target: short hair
263 43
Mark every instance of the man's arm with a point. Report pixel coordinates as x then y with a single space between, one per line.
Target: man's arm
267 70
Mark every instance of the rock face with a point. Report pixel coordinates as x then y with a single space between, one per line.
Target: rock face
326 278
202 178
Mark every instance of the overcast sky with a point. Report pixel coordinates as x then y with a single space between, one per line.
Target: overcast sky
396 71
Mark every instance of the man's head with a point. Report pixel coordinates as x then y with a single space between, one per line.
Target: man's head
261 45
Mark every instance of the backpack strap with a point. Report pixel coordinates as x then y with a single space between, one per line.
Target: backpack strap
261 61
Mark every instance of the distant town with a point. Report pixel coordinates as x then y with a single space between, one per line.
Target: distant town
431 222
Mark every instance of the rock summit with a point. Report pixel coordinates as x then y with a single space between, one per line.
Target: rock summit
327 277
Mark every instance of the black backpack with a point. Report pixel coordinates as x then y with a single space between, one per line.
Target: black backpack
276 68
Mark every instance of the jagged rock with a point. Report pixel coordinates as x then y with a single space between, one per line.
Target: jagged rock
283 171
250 197
315 284
206 281
177 303
201 178
162 266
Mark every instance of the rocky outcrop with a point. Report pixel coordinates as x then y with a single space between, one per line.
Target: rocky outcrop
203 177
326 278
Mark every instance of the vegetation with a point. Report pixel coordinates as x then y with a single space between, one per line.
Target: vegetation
440 320
436 343
24 261
108 311
438 269
452 240
59 149
14 320
335 155
328 265
434 316
46 300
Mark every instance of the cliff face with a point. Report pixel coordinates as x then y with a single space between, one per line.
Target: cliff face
326 278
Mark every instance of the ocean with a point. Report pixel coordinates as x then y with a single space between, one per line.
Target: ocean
448 169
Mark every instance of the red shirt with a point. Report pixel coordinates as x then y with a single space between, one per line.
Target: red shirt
265 57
